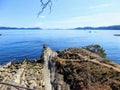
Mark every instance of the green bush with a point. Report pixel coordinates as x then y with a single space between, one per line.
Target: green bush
96 49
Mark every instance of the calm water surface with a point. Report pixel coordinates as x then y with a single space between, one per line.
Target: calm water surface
16 44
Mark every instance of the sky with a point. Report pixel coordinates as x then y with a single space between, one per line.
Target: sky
64 14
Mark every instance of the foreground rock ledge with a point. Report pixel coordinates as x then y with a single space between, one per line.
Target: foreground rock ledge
71 69
21 76
80 69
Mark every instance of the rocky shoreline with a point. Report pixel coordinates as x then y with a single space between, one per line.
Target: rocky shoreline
21 76
70 69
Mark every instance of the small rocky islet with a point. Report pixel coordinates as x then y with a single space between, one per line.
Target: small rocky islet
116 34
83 68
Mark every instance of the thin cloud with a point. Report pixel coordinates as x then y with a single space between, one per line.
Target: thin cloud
41 16
102 19
100 6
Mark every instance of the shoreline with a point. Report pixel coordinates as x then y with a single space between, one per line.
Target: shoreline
61 70
23 75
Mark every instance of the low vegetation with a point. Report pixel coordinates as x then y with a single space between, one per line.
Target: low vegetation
96 49
87 69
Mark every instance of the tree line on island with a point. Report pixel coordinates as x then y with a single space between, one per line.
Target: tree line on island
17 28
113 27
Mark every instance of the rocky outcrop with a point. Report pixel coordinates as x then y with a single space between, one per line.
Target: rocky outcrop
53 80
47 56
21 76
70 69
81 69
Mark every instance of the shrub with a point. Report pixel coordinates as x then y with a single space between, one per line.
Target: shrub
96 49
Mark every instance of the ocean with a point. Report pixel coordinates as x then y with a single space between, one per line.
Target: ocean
18 44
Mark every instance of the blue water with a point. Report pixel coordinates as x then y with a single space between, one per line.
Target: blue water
16 44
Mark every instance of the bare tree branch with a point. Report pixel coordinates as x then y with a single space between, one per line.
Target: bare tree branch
44 5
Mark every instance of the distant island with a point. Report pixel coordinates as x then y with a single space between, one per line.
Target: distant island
17 28
114 27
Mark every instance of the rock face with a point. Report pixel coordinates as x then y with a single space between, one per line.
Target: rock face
80 69
47 56
53 80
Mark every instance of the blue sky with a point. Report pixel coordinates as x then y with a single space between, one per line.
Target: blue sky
65 13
